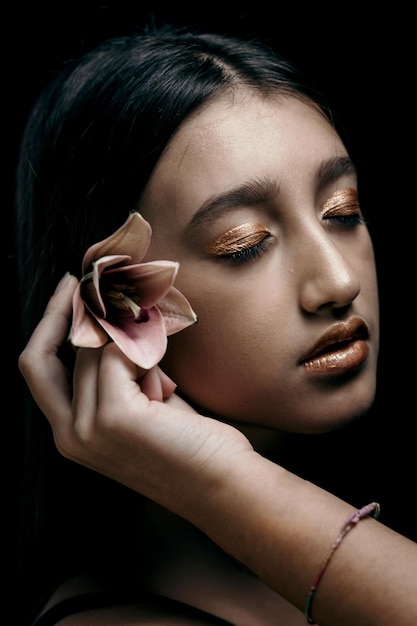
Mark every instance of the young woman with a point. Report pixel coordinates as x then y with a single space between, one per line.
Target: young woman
188 184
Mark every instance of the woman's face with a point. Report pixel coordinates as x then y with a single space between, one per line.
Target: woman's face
256 199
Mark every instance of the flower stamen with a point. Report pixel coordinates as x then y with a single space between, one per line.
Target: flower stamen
117 297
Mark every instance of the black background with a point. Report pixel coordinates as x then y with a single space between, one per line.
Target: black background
363 61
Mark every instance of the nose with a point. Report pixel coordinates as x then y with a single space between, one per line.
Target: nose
327 276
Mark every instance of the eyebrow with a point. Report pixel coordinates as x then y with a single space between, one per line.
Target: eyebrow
262 190
335 168
250 193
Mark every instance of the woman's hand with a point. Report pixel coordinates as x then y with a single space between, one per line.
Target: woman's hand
122 422
130 426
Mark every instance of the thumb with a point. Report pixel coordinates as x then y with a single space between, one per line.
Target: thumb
156 385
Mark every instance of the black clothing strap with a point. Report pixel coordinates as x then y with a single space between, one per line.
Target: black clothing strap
101 599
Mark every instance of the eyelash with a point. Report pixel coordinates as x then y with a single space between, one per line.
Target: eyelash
349 221
247 254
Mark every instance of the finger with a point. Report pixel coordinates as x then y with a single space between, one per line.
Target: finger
117 383
177 402
85 385
156 384
167 384
39 364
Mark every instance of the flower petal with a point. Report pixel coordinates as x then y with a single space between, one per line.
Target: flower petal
176 311
85 332
151 281
90 283
132 239
143 343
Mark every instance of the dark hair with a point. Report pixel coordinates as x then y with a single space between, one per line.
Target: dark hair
96 133
89 147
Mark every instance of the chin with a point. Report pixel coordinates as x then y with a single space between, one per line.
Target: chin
336 420
319 413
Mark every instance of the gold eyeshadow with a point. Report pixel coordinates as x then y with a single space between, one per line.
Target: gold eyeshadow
342 202
236 239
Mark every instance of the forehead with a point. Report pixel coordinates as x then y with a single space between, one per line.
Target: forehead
236 138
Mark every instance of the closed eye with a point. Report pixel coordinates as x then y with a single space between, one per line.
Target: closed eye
343 207
348 220
240 244
245 255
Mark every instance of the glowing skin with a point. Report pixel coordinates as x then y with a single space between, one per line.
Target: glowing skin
256 198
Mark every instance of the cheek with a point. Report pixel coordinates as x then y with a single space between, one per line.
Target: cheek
236 313
368 273
224 319
371 289
212 362
240 330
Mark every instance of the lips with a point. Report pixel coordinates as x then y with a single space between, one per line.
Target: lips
343 347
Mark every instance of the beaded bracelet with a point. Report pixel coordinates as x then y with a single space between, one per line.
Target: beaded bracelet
351 521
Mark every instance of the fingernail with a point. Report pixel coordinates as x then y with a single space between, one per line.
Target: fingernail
62 282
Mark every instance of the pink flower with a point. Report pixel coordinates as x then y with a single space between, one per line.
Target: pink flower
132 303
